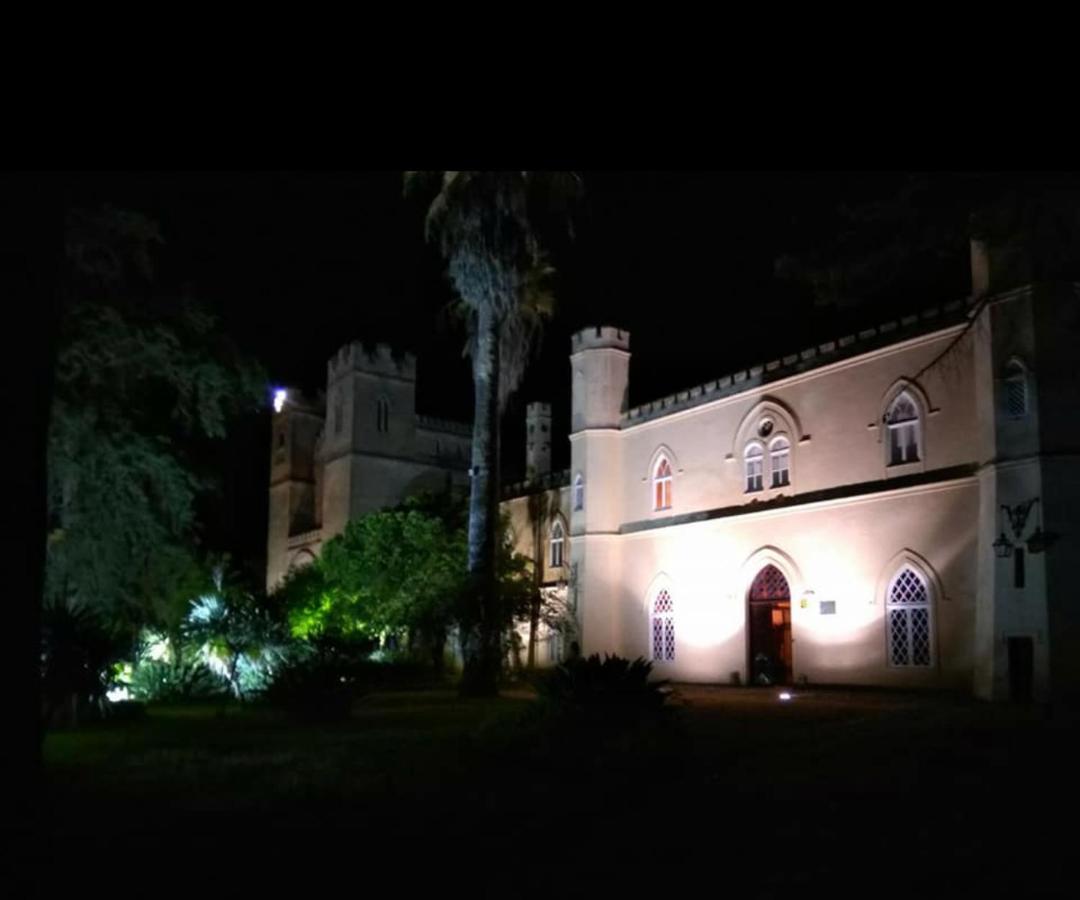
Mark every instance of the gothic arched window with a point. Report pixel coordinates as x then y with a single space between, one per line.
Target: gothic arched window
662 627
907 618
662 485
556 545
755 463
779 462
1015 390
579 492
902 421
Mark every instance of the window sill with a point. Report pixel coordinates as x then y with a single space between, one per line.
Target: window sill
893 470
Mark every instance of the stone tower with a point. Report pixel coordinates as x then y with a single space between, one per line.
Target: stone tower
600 369
370 425
1026 613
537 440
294 478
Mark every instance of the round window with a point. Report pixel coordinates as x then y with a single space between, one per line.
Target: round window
765 428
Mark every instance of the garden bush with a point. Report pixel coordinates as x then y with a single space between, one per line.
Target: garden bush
78 653
316 687
609 692
182 678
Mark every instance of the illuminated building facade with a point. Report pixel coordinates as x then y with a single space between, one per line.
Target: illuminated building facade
358 447
897 507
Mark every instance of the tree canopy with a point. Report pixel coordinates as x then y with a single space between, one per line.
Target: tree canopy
401 570
141 379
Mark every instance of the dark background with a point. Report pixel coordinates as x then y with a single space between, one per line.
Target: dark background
297 264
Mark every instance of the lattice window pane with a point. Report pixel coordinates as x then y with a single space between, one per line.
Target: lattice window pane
898 637
909 620
919 622
908 588
770 584
663 627
1016 397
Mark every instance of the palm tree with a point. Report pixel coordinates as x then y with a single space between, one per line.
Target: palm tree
487 226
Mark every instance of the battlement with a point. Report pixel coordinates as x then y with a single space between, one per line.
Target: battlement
446 426
596 337
890 332
538 410
380 360
546 482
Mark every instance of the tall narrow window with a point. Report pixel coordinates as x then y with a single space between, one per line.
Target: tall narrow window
1018 567
382 414
755 460
907 611
662 485
662 628
579 492
902 421
1016 393
556 545
338 410
779 454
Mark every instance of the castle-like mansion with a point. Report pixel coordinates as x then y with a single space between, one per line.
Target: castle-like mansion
897 507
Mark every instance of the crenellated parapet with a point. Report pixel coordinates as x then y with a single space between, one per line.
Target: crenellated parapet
377 360
446 426
597 337
848 345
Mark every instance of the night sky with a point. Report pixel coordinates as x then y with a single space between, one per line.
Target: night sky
296 265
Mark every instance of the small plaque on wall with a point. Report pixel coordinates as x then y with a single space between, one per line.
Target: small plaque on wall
828 607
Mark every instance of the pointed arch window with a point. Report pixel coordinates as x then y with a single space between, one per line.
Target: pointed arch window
557 539
902 421
1016 390
579 492
907 617
779 462
662 485
662 627
755 467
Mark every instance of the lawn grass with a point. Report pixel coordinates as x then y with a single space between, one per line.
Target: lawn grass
833 787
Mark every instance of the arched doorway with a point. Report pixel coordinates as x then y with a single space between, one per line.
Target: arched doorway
769 620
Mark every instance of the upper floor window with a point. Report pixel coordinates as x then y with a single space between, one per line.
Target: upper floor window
382 414
662 627
907 612
755 467
556 545
1016 390
579 492
662 485
338 413
902 421
779 456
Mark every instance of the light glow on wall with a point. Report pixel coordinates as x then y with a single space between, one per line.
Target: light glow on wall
279 399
